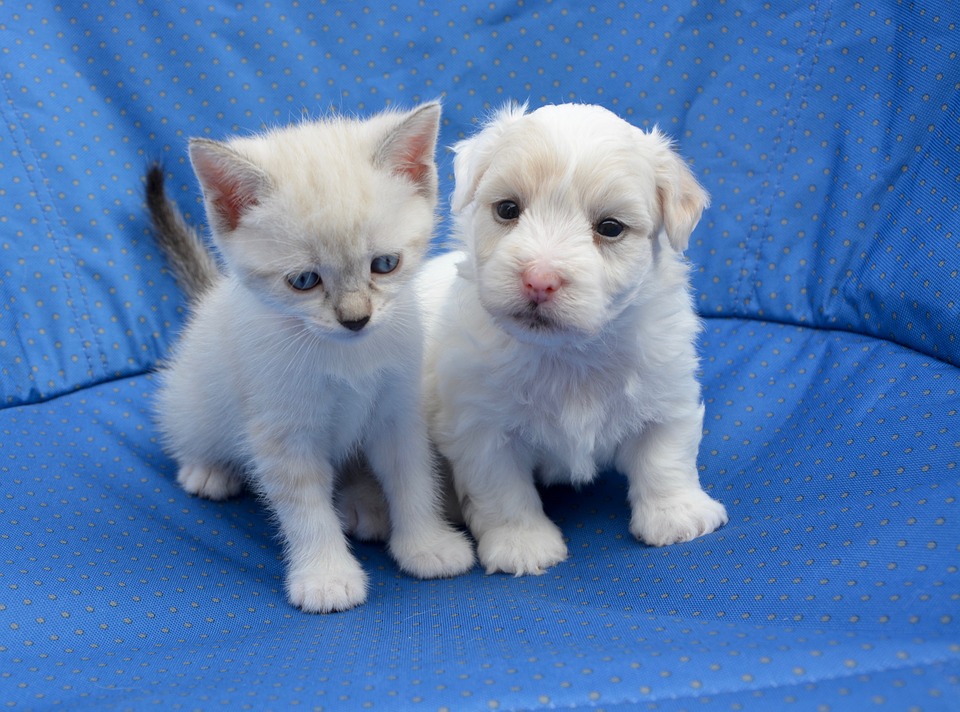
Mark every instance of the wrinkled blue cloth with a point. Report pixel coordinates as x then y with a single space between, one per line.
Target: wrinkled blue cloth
826 271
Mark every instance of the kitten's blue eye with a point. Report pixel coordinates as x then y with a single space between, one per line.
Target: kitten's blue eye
610 228
384 264
304 281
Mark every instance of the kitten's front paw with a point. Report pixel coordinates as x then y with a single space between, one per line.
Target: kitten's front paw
528 548
676 519
442 553
327 590
210 481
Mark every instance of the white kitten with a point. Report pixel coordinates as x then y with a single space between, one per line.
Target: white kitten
307 349
562 339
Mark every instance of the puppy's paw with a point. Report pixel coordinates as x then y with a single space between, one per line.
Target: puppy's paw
210 481
439 554
364 514
324 590
680 518
528 548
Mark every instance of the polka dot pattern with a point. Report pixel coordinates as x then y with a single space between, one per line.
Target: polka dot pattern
825 270
827 573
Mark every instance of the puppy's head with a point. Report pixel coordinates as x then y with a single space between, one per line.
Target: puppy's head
566 212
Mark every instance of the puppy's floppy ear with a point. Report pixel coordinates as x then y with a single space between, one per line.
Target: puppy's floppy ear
474 155
231 183
682 198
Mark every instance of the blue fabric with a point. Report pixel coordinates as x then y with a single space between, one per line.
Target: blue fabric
826 270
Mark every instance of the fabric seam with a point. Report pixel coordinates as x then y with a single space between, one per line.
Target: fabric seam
42 187
808 54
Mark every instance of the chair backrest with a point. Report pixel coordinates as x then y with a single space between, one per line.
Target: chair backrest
827 136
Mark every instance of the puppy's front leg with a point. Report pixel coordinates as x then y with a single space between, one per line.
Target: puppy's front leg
667 503
503 509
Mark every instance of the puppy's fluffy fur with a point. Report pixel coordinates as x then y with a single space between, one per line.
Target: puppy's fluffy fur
561 339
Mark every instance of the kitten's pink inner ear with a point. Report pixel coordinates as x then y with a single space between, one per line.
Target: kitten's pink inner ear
232 202
408 152
228 184
414 158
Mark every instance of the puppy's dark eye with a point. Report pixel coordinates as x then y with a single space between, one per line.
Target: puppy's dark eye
507 210
610 228
384 264
304 281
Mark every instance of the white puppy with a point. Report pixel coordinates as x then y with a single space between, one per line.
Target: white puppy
561 340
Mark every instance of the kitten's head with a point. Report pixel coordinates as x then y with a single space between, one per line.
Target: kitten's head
564 212
325 220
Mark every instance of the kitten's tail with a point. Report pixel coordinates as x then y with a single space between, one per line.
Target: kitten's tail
195 268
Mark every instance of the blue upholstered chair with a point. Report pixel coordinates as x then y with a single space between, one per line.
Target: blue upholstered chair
826 271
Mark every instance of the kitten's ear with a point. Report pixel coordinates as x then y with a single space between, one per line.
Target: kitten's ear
231 183
682 198
409 149
474 155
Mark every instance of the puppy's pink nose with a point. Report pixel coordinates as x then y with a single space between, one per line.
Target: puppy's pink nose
540 285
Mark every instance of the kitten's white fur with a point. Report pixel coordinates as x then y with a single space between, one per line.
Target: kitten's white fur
268 384
603 371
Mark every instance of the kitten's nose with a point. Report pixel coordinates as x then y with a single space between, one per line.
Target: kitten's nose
540 285
355 324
